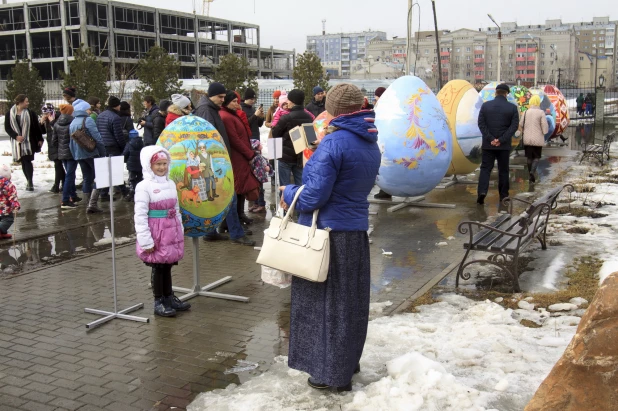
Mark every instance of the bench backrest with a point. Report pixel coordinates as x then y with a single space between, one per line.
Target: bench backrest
543 205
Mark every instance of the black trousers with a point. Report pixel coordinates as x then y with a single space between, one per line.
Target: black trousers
487 165
161 280
240 205
59 173
27 167
134 178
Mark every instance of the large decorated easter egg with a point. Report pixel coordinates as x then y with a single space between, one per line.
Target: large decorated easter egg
202 172
562 109
461 104
414 137
522 95
488 93
551 126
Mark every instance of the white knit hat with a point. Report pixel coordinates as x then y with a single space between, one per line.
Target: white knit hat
5 171
180 101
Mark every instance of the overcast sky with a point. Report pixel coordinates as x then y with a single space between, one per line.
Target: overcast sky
285 24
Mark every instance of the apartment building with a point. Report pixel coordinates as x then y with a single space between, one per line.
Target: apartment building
48 33
339 52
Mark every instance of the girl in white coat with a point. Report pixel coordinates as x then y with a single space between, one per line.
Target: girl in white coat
158 224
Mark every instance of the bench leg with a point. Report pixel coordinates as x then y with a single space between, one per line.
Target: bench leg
460 272
543 240
515 274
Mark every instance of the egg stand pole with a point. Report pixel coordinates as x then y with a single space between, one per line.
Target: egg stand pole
205 290
409 202
108 316
453 180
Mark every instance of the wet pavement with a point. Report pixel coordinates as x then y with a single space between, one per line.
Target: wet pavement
49 360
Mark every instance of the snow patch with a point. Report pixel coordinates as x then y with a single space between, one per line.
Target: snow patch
551 274
607 268
562 307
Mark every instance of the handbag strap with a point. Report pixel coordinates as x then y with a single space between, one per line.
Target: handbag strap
314 223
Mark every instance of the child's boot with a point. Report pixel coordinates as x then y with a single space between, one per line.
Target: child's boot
163 310
176 303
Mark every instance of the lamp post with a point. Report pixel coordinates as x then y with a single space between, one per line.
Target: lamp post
556 60
536 57
499 45
435 24
601 80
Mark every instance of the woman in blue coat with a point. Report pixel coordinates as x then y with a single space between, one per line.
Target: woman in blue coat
328 321
83 156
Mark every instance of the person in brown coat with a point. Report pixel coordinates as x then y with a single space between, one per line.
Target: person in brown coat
534 127
245 183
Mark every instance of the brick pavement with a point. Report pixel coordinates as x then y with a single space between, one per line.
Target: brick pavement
49 360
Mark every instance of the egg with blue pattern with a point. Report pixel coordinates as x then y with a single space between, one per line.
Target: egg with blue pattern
414 137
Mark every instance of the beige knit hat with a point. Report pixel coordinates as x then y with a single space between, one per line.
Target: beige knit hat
344 99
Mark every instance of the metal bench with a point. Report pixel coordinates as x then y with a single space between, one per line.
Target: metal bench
506 237
598 151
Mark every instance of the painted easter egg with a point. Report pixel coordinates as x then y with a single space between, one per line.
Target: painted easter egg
522 95
202 172
562 109
488 93
551 126
414 137
461 104
320 124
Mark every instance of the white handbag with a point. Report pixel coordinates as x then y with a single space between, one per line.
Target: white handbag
296 249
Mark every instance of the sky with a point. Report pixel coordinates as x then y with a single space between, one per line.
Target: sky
286 24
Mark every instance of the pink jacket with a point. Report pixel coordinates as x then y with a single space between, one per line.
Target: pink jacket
165 234
281 112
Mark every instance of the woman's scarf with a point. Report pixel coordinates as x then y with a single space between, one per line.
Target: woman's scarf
22 129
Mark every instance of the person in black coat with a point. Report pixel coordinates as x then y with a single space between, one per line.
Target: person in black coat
254 117
498 122
152 111
24 130
316 107
290 162
158 121
134 166
48 119
127 120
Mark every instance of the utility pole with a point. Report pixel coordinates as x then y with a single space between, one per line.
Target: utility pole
559 72
435 23
499 45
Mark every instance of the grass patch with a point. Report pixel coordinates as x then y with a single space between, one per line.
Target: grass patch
582 281
577 230
578 212
425 299
584 189
529 324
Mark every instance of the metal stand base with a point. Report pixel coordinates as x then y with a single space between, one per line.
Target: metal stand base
409 202
205 291
453 180
120 314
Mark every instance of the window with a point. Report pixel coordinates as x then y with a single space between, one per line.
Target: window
551 54
551 63
510 56
578 33
542 55
457 58
594 39
542 72
594 32
468 58
458 50
594 46
581 59
467 74
489 65
542 63
601 38
467 65
510 48
426 51
542 46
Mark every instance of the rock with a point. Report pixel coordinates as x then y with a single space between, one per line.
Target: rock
502 385
499 299
562 307
578 301
529 299
586 377
525 305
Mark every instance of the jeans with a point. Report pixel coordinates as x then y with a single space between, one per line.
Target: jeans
233 222
285 169
489 157
68 189
87 167
6 221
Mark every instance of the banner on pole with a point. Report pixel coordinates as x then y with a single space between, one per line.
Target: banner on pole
275 148
102 171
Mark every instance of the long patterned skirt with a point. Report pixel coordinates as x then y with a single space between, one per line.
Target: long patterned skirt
328 321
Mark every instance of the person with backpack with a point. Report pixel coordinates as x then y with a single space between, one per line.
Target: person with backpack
61 139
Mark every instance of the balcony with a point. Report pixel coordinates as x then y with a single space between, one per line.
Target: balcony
520 50
479 76
479 60
445 53
520 59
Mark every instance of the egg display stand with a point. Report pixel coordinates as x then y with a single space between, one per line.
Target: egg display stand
101 168
409 202
453 180
205 290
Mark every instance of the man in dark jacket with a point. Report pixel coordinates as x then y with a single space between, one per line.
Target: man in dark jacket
316 107
109 124
152 111
290 162
158 122
498 122
208 109
254 117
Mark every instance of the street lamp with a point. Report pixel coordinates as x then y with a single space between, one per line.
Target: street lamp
435 27
499 45
536 58
409 38
601 80
556 60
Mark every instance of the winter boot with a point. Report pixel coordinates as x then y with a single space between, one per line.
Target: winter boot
129 197
92 203
29 186
176 303
382 195
54 189
163 310
245 219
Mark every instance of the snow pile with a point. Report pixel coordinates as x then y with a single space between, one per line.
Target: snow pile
454 355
